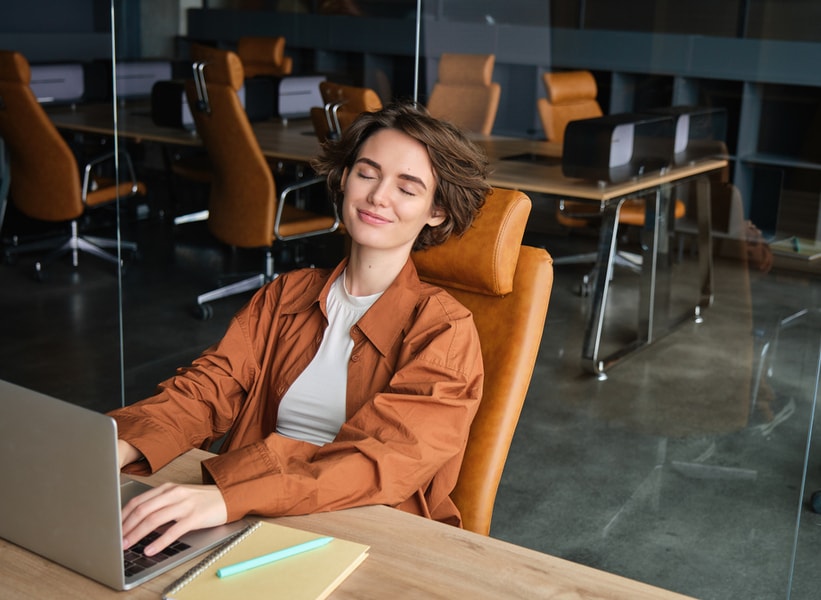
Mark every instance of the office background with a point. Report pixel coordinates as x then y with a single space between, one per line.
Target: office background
600 472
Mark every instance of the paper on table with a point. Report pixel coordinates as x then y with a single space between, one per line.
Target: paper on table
310 575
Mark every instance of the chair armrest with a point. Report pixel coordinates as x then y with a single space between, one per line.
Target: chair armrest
124 157
292 189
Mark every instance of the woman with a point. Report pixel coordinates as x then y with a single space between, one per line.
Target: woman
333 388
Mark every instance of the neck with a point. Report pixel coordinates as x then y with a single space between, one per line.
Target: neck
372 272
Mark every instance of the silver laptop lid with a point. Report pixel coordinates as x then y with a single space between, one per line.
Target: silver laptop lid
61 495
61 491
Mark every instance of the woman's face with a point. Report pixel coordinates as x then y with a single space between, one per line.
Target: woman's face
388 193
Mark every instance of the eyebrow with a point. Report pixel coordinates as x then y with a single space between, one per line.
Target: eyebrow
406 176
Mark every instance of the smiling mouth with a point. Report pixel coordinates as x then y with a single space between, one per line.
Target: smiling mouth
371 218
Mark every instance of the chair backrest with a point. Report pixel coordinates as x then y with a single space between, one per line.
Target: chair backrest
45 180
264 56
464 92
571 95
342 105
507 288
242 204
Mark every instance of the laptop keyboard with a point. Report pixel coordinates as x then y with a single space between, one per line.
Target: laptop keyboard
135 561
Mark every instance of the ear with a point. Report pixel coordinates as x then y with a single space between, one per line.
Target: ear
437 216
344 178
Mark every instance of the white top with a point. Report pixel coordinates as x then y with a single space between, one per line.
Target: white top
313 409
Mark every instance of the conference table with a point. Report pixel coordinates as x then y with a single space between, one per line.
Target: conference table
409 557
528 165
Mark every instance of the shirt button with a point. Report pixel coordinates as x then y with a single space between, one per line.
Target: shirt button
354 358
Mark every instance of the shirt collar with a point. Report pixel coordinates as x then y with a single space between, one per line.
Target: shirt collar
384 321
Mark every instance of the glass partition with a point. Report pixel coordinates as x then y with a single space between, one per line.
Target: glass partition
60 329
691 465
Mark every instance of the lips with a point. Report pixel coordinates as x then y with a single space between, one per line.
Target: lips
372 218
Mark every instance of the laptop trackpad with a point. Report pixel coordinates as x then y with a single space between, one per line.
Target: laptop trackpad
130 489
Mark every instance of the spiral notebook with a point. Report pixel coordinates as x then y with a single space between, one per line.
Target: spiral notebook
311 575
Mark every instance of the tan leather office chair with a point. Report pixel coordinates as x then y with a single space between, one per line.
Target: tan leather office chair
464 92
507 288
571 95
341 105
264 56
46 182
244 209
260 55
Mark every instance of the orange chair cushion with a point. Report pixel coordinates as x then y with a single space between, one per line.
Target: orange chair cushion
464 93
469 266
466 69
632 212
264 56
571 95
570 87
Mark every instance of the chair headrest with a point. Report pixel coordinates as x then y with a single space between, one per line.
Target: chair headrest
356 99
223 67
483 260
14 67
570 86
261 49
473 69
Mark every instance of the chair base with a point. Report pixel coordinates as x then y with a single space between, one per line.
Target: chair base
204 312
73 244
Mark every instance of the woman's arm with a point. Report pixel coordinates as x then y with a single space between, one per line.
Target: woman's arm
127 454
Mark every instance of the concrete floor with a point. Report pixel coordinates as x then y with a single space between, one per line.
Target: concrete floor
673 471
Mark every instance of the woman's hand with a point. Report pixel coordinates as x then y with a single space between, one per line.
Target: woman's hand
185 507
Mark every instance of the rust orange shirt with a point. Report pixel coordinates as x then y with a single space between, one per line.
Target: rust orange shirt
414 385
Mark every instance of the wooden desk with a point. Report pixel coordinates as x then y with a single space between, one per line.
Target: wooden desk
295 141
543 174
410 557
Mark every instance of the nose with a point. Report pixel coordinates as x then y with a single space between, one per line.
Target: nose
379 193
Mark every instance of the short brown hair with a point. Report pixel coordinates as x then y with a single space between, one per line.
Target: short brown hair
459 166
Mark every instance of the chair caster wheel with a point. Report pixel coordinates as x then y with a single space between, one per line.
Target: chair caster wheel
203 312
584 287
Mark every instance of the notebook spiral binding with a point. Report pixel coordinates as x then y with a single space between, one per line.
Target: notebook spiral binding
209 560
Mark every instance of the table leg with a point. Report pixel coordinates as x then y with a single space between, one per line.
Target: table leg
601 286
655 286
654 318
705 245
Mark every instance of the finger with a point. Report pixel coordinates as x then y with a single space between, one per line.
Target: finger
195 508
150 512
144 497
169 536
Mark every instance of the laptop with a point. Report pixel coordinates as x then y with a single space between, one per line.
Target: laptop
62 491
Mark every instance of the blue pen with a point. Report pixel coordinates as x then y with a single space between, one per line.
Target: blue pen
252 563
